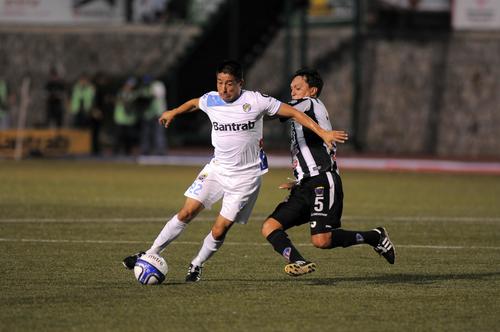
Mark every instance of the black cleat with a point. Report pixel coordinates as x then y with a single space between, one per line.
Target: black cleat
194 273
385 247
299 268
129 262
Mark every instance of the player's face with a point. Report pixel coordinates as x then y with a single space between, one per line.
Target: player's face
228 87
300 89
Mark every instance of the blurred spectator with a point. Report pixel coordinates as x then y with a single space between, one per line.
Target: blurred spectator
125 119
103 108
56 99
150 11
82 102
153 139
84 112
159 9
177 10
4 105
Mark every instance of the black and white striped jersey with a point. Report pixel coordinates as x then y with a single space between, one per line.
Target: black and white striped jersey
310 155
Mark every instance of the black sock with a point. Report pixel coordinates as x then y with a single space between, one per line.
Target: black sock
283 246
342 238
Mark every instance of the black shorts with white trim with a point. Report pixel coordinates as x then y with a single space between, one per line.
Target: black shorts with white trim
316 200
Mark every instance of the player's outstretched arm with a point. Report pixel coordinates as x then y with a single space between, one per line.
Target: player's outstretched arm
328 136
168 116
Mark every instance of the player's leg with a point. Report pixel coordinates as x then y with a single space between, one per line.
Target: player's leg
297 265
239 199
172 229
325 223
212 242
344 238
378 238
326 212
176 225
273 231
292 212
201 194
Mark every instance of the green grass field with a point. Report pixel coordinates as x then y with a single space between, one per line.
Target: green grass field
65 227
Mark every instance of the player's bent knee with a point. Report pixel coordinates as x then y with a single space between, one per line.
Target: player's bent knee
220 228
219 233
186 215
266 229
321 242
269 226
190 210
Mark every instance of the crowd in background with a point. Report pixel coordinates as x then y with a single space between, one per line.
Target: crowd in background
121 116
7 99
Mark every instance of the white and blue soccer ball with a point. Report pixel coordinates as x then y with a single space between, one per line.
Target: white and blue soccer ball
150 269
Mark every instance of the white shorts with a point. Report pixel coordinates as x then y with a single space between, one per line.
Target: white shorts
239 192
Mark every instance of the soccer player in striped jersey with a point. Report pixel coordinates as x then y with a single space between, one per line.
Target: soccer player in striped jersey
234 173
316 195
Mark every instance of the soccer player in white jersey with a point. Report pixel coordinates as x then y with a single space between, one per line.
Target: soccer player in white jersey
234 173
316 196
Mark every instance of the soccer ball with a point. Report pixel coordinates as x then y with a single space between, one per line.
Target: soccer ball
150 269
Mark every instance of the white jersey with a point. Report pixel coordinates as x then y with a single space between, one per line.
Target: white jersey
237 128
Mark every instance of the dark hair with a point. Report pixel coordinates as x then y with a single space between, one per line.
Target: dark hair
231 67
312 78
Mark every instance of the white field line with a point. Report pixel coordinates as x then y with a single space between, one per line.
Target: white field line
254 218
58 241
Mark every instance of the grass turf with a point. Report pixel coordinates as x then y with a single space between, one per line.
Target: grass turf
65 226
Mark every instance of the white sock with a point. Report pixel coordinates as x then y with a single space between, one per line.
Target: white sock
210 246
173 228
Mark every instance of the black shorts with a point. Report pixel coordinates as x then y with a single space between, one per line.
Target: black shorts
317 200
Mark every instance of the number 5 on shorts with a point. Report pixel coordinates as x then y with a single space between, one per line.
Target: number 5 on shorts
318 203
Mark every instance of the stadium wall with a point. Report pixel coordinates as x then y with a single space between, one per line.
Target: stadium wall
117 51
433 94
425 95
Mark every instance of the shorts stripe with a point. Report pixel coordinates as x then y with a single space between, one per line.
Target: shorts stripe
332 189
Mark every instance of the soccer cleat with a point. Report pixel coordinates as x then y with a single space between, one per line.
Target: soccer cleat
129 262
385 247
194 273
299 268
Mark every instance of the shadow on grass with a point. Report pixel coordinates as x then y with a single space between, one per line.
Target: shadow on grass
310 280
401 278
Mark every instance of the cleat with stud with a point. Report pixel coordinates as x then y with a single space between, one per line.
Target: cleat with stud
385 247
194 273
129 262
299 268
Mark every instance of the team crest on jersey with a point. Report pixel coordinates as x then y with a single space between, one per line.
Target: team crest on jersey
247 107
202 177
319 191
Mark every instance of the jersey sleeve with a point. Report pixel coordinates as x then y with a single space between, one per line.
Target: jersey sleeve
202 103
301 105
270 104
321 114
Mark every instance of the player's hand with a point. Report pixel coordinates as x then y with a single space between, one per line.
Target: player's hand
287 185
166 118
339 136
335 136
